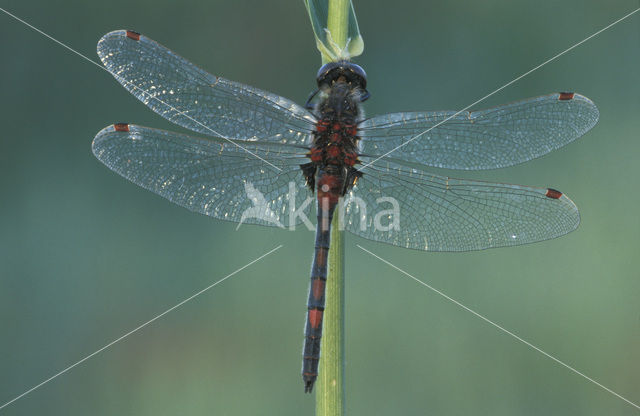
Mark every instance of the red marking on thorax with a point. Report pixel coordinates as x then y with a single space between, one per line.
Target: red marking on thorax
133 35
317 288
333 151
331 140
121 127
316 154
350 159
315 318
322 125
351 129
564 96
552 193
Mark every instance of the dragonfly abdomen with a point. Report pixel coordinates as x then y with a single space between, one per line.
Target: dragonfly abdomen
330 186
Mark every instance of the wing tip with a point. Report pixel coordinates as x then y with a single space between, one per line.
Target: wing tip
574 96
572 207
122 33
584 101
114 34
119 34
107 131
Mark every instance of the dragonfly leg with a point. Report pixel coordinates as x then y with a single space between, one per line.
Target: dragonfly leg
308 104
364 97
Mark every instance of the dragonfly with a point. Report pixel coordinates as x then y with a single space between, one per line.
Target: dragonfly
253 149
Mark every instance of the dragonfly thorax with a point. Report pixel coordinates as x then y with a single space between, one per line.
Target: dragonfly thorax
334 149
340 102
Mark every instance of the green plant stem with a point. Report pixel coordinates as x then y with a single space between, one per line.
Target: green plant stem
338 22
330 392
330 386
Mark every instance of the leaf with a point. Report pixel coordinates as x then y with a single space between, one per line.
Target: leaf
326 43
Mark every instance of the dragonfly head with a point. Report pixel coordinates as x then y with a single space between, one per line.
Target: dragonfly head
351 73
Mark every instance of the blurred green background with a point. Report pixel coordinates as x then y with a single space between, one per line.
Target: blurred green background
86 256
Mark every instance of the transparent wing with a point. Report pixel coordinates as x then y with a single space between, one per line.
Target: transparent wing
487 139
209 176
192 98
437 213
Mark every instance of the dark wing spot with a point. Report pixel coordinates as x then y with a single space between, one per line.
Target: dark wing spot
121 127
565 96
552 193
133 35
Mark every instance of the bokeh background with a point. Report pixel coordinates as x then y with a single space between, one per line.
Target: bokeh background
86 256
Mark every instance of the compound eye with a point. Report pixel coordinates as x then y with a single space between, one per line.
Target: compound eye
359 74
357 69
325 75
